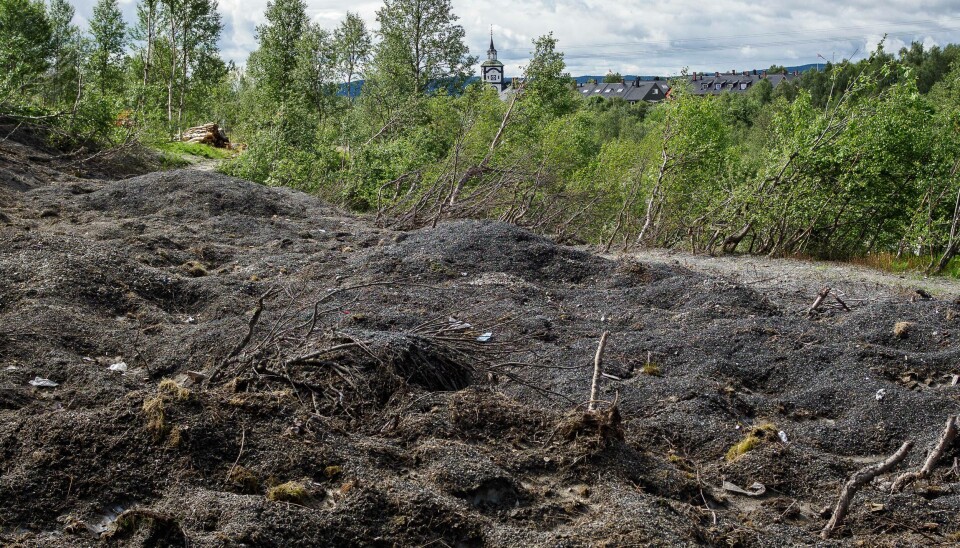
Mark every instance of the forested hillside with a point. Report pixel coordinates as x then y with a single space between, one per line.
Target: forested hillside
859 160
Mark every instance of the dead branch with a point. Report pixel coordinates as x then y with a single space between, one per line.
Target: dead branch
597 364
250 327
858 480
946 438
819 300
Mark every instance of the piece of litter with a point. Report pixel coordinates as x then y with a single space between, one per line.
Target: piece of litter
44 383
881 393
119 366
457 325
12 368
754 490
783 436
190 319
955 380
485 337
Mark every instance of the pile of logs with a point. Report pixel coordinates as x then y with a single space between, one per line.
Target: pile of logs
207 134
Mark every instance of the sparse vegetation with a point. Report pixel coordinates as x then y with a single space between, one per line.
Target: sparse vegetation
757 436
292 491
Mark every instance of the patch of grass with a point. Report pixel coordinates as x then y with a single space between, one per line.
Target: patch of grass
194 269
906 263
651 368
902 329
193 149
756 437
156 416
169 387
292 491
155 410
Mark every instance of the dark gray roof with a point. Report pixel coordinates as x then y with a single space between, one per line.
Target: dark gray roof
711 83
630 91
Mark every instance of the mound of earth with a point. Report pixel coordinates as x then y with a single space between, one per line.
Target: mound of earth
192 359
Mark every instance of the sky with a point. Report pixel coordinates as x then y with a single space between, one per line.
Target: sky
646 37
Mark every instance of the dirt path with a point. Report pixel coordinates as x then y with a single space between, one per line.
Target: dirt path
803 279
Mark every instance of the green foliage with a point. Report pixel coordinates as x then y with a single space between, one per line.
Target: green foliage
108 38
199 150
353 46
25 44
421 47
612 78
274 63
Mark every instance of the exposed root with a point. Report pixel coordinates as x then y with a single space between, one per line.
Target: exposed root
858 480
946 439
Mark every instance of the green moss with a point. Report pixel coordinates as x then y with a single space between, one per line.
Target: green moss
756 437
194 269
332 471
292 491
651 368
243 479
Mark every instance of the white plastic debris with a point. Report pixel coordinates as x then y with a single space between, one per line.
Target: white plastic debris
12 368
485 337
783 436
755 490
881 394
44 383
190 319
454 324
120 367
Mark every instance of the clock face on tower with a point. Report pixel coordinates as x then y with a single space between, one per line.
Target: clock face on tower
494 76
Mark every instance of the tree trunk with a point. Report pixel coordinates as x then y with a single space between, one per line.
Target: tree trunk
173 65
183 86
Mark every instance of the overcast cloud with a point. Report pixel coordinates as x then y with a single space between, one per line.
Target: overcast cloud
648 37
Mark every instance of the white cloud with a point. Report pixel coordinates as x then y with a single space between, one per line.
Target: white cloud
631 36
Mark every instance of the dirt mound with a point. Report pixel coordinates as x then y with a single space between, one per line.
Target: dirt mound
191 358
192 195
468 247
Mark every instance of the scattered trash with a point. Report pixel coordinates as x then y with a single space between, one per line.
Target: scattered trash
881 394
44 383
457 325
12 368
876 507
485 337
87 359
783 436
954 380
755 490
190 319
120 367
108 517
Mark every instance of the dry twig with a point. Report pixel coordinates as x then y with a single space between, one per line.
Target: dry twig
597 365
858 480
946 438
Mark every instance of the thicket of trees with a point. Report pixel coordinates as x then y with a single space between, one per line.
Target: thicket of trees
149 78
858 158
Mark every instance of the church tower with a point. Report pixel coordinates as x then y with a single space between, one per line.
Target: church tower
492 69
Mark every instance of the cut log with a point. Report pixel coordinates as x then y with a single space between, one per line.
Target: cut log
207 134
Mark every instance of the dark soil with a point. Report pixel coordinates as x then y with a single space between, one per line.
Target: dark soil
362 410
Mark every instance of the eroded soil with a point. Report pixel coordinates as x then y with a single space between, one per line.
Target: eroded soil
238 365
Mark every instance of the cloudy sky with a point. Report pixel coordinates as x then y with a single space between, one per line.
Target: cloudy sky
649 37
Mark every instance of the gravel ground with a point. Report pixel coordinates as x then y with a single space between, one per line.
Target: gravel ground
246 366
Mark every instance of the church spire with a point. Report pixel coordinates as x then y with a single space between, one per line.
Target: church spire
492 52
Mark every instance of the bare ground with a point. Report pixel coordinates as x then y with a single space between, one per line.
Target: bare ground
293 375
